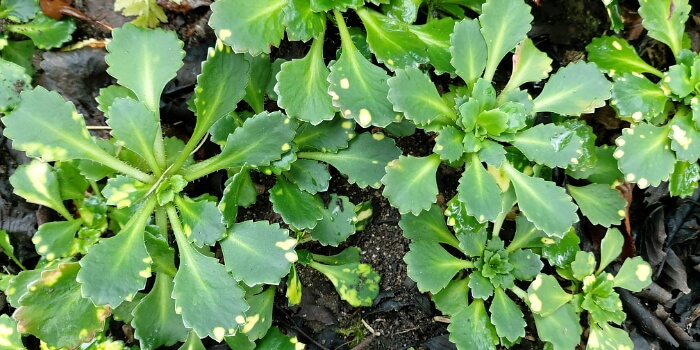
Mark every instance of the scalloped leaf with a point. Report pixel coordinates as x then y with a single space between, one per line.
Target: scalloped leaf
239 191
123 191
249 26
14 81
328 136
529 65
111 93
201 220
573 90
311 176
54 240
665 21
431 266
116 268
436 36
562 328
302 87
155 322
45 32
410 183
634 275
428 225
601 204
637 97
449 144
12 339
338 222
550 144
413 93
453 298
73 319
684 179
37 182
134 126
259 316
644 154
258 252
358 284
616 56
18 285
301 22
684 138
297 208
479 192
468 49
604 336
144 60
504 24
543 203
506 316
463 324
583 265
19 10
526 264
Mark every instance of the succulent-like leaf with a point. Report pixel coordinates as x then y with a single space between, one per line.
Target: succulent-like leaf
298 208
123 191
328 136
259 316
449 144
301 22
583 265
260 73
665 21
504 24
684 138
436 36
134 126
526 235
677 80
18 10
634 275
479 192
616 56
390 42
358 284
431 266
410 183
144 61
575 89
311 176
338 222
562 328
15 80
239 191
53 240
340 5
193 342
546 296
275 339
73 319
413 93
358 87
111 93
155 322
201 220
116 268
453 298
249 26
644 154
544 204
45 32
529 65
12 339
637 97
18 285
465 322
601 204
428 225
506 316
293 293
526 264
550 144
605 336
469 51
684 179
37 183
258 252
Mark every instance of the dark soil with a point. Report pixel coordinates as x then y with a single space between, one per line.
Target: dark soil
664 229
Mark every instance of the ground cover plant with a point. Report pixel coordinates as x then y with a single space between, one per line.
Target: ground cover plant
142 241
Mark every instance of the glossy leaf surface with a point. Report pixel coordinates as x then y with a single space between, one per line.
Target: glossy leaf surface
644 155
249 26
575 89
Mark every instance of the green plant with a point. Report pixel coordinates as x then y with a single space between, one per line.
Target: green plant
130 197
662 107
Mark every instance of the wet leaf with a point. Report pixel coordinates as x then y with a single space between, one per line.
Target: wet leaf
644 154
249 26
338 222
328 136
301 22
550 144
436 36
684 138
684 179
46 33
638 98
616 56
274 339
563 252
311 176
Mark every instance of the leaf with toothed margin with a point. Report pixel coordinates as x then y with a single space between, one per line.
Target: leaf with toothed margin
413 93
37 183
249 26
665 21
259 316
410 183
529 65
123 191
297 208
468 50
134 126
466 321
684 138
543 203
301 22
73 319
634 96
436 36
117 267
338 222
258 252
144 60
209 299
644 154
573 90
340 5
601 204
431 266
684 180
479 192
428 225
201 220
53 240
550 144
328 136
504 24
155 322
616 56
506 316
12 338
239 191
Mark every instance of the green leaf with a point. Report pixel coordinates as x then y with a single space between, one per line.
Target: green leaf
562 328
148 12
616 56
301 22
504 24
73 319
563 252
123 191
390 42
18 285
665 21
37 183
634 275
311 176
340 5
604 336
220 86
684 179
111 93
155 322
634 96
14 81
463 324
526 264
413 93
428 225
309 102
677 80
259 316
328 136
468 49
294 291
644 154
135 127
529 65
583 265
453 298
479 192
260 73
297 208
575 89
601 204
603 171
201 220
546 296
550 144
431 266
12 339
258 252
249 26
449 144
436 36
274 339
19 10
54 239
193 342
144 61
544 204
684 138
358 87
116 268
73 183
358 284
338 222
526 235
410 184
364 161
46 33
239 341
506 316
239 191
19 52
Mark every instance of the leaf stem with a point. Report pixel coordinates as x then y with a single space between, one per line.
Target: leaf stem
162 221
204 168
106 159
520 294
345 39
180 238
